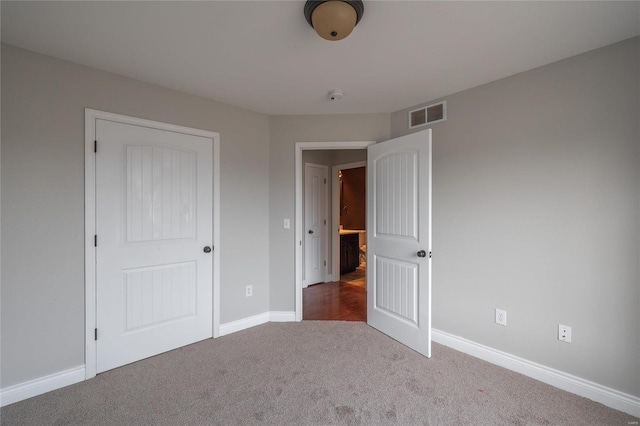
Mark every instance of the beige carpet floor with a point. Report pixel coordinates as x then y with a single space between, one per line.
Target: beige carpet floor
310 373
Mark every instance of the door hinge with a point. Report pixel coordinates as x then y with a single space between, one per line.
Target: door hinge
325 263
95 146
95 240
95 334
325 181
325 221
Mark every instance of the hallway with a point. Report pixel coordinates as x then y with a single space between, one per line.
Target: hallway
334 301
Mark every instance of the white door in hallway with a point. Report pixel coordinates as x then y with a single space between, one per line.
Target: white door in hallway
154 231
315 222
399 239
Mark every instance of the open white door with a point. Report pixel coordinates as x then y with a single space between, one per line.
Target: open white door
154 235
399 239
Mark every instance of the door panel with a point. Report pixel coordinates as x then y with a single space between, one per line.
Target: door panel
399 226
160 193
396 207
397 289
158 294
153 219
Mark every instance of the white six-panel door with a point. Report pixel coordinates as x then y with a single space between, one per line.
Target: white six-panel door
315 220
399 239
153 221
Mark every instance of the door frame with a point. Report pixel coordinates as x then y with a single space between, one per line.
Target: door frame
90 282
335 213
299 147
325 234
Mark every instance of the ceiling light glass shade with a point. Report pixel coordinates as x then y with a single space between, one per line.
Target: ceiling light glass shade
334 19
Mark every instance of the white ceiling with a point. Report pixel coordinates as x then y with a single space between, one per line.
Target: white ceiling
262 55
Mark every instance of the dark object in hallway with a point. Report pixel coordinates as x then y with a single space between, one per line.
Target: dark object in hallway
349 252
334 301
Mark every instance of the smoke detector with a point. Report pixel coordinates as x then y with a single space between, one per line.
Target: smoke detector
335 94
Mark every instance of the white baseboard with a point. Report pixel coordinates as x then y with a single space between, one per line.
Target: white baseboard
68 377
41 385
243 324
282 316
602 394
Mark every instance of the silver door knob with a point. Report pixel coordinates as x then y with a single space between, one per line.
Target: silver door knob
422 253
311 231
207 249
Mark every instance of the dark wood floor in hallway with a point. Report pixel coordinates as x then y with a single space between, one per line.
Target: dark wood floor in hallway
334 301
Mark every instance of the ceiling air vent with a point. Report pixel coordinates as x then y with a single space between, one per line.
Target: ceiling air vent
428 115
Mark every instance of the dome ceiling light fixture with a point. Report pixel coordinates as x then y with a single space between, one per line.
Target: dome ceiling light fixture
333 19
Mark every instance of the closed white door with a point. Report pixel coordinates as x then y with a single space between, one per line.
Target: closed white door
315 221
399 239
154 236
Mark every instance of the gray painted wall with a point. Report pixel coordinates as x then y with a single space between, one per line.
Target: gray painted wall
285 132
43 101
347 156
536 201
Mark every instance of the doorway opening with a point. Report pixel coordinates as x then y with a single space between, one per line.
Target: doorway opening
332 298
398 247
350 207
343 294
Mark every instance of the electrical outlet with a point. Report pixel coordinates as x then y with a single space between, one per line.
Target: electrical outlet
501 317
248 291
287 224
564 333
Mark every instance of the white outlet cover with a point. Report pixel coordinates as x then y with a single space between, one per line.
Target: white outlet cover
564 333
501 317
